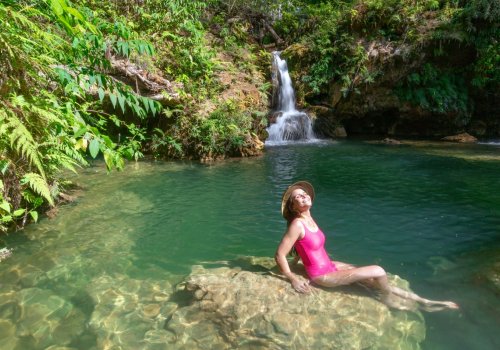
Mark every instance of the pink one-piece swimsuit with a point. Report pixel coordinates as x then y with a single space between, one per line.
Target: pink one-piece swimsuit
311 249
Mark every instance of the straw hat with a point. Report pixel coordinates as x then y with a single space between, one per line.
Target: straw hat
306 186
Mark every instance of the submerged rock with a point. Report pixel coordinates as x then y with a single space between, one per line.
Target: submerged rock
129 313
255 308
35 318
248 305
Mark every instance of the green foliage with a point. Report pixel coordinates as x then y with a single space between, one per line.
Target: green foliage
163 145
39 185
177 28
487 67
223 133
436 90
54 61
480 18
331 41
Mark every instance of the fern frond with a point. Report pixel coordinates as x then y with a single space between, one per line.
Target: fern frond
48 116
38 184
23 142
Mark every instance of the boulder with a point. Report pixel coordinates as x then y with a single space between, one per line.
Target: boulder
256 308
389 141
462 138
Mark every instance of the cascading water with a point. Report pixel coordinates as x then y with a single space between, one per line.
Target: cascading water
291 124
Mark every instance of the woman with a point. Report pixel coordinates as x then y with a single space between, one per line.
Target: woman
304 235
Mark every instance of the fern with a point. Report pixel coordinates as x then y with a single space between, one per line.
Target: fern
38 184
22 140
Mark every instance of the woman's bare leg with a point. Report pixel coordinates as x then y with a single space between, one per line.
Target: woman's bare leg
376 276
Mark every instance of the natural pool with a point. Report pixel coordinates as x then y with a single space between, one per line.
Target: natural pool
429 212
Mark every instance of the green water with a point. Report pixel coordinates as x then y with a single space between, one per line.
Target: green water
427 212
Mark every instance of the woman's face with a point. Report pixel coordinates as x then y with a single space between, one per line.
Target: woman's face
301 201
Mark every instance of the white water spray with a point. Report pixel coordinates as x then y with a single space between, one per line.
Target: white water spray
291 124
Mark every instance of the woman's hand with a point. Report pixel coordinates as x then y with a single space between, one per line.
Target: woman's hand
301 285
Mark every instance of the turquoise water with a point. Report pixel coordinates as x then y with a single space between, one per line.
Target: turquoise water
427 212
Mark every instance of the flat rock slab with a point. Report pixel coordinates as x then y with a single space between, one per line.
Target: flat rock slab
254 308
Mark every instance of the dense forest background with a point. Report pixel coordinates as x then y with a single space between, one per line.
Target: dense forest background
192 79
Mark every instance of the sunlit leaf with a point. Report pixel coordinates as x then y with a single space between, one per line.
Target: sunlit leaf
121 101
34 215
94 148
5 206
101 93
18 212
113 98
152 106
145 102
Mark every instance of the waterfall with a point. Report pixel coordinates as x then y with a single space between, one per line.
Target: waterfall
290 124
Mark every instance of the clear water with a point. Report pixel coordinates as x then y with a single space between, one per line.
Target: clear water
427 212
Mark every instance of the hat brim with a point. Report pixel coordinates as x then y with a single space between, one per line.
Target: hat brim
306 186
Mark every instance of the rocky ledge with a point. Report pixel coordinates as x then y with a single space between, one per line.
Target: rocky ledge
253 307
246 304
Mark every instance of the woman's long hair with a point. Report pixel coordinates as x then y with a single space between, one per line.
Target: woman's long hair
292 215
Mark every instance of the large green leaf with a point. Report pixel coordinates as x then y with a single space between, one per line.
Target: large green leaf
121 101
5 206
113 97
101 93
94 148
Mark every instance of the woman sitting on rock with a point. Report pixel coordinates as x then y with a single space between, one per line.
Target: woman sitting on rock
304 235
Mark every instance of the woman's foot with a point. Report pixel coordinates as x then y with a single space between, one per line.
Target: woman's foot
432 306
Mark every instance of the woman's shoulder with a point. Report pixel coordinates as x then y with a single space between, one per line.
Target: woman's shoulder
297 227
297 222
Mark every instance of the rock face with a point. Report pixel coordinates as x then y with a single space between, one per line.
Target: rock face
237 308
378 108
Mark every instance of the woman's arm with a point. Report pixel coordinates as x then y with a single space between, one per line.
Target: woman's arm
295 230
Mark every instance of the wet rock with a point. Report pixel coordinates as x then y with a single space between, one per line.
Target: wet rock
11 276
31 275
273 117
386 141
238 308
340 132
5 253
389 141
8 338
151 310
253 146
130 313
36 318
462 138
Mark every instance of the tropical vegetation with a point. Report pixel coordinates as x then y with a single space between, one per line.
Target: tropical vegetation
116 80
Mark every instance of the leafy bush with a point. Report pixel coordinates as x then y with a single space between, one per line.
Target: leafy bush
53 58
436 90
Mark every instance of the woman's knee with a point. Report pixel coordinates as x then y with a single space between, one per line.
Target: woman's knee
377 271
